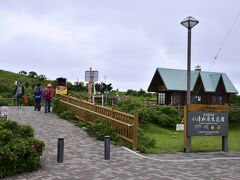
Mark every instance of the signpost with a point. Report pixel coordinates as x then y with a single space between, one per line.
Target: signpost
206 120
207 124
91 77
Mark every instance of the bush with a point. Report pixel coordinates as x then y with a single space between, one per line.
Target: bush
68 115
25 131
19 150
100 129
128 107
166 117
59 108
234 118
144 142
132 92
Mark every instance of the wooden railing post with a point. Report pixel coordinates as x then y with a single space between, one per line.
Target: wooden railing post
79 103
135 132
113 108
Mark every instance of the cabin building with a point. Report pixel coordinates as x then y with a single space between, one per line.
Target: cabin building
206 87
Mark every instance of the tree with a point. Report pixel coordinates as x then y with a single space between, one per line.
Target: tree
32 74
141 92
70 86
23 72
41 77
234 99
79 86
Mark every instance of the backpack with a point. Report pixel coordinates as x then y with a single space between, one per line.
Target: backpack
37 91
19 90
47 93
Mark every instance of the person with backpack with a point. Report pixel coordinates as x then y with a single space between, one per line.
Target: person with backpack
19 92
47 96
38 97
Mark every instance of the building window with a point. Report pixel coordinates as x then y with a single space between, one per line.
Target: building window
176 99
217 100
196 99
161 98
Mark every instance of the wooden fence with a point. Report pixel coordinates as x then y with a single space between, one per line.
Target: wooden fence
125 125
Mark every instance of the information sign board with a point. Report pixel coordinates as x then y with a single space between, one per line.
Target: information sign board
91 75
179 127
207 124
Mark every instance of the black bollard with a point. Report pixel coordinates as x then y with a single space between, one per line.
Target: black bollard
60 150
107 147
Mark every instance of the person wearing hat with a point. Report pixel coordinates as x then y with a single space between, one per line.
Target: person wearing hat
38 97
47 96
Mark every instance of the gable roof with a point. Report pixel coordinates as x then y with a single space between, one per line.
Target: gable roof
176 80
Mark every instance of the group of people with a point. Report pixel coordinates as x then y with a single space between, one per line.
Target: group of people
39 93
46 94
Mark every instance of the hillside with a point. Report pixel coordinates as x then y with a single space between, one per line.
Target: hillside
7 83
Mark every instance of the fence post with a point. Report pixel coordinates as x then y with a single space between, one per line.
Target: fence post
135 132
113 108
79 103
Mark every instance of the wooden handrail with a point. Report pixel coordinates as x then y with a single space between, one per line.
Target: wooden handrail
126 124
112 119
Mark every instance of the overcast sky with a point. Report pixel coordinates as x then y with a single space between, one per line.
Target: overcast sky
125 40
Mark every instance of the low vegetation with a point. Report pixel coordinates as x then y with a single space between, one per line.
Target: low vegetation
167 141
19 150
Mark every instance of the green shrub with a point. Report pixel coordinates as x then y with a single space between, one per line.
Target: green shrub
59 108
11 125
68 115
234 118
166 117
128 107
144 142
100 129
19 150
5 136
25 131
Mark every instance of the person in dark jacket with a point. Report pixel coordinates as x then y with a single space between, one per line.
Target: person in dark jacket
47 96
38 97
19 92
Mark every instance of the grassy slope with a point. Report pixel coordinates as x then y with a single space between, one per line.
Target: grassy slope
7 83
7 86
165 142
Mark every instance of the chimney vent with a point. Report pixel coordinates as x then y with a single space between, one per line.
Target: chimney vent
197 68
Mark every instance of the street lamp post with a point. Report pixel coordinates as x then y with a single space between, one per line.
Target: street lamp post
189 23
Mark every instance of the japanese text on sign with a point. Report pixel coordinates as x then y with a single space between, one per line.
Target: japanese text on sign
207 123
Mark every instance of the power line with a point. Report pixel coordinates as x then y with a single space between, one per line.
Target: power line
219 50
225 39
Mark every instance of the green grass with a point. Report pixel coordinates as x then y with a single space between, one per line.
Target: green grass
166 143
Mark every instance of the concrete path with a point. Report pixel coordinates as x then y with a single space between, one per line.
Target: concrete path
84 158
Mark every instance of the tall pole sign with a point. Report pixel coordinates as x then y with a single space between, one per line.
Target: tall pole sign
91 77
90 87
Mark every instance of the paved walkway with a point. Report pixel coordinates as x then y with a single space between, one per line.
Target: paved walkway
84 158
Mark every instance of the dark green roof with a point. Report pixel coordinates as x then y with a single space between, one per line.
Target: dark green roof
176 80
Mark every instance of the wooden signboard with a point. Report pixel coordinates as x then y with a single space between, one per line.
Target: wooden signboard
205 120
